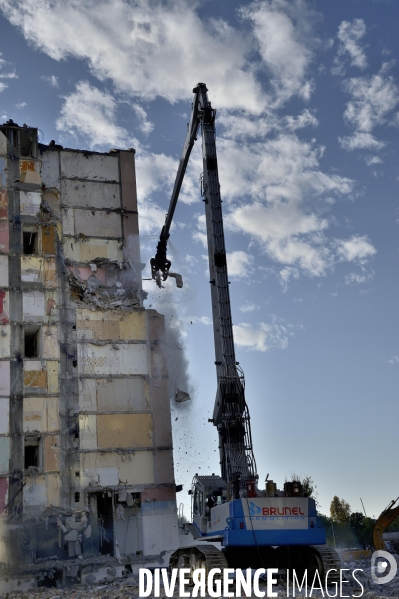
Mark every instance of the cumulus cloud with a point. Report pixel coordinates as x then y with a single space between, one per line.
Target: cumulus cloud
146 126
239 264
282 29
3 75
262 337
51 80
359 278
356 249
249 306
286 184
373 98
91 113
287 273
134 45
394 360
349 34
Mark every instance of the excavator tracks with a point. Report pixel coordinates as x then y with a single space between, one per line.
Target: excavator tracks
198 556
331 561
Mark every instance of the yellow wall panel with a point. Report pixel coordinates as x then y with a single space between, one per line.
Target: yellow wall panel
124 430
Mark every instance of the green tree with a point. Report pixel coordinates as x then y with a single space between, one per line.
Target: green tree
340 510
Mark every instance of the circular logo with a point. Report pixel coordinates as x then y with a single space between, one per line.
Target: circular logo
386 565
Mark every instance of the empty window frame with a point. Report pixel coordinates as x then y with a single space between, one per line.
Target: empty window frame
32 453
30 242
32 341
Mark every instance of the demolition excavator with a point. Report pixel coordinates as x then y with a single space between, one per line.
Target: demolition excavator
257 528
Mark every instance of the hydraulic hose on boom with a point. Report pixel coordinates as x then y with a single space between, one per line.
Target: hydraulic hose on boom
230 416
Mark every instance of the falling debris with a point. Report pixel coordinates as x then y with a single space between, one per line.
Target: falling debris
181 396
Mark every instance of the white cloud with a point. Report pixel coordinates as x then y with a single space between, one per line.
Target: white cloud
262 338
357 278
239 264
284 180
287 273
20 105
361 141
146 126
283 32
145 48
91 113
394 360
3 86
356 249
370 160
52 80
249 306
373 98
349 34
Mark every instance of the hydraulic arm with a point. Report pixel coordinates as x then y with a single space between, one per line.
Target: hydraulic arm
230 416
384 520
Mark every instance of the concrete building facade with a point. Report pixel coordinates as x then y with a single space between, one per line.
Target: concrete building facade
86 465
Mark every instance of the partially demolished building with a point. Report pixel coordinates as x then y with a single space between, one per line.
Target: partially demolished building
85 433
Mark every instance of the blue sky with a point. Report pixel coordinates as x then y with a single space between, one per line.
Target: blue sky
307 95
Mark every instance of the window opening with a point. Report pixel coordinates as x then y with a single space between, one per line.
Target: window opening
32 453
32 342
30 242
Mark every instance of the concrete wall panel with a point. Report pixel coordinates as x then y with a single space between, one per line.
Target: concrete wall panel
122 395
48 239
164 467
33 306
3 494
89 194
30 202
161 411
32 269
3 204
87 395
5 378
4 454
68 222
3 145
50 273
106 325
4 415
52 197
4 307
52 376
160 527
51 169
3 236
137 469
35 417
88 431
104 359
91 166
50 453
53 489
35 492
5 342
87 251
36 379
3 271
124 430
97 224
51 347
29 171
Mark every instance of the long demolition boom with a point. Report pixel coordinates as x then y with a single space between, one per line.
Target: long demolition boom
230 416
